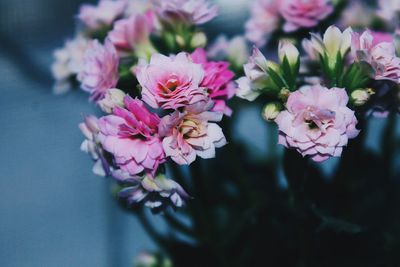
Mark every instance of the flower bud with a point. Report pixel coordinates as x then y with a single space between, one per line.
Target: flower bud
360 96
180 40
199 39
288 50
284 94
113 97
271 111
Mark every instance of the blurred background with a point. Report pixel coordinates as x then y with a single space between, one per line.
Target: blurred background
53 210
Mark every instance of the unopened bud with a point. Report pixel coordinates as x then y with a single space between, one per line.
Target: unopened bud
180 41
361 96
284 94
271 111
113 97
199 39
288 50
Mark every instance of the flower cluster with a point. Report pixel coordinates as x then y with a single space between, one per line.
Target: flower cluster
159 109
315 113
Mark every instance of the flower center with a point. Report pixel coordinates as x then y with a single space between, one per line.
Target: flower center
317 118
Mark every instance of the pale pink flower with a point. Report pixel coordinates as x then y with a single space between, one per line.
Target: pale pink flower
317 122
190 12
92 146
251 85
133 32
235 50
263 22
357 14
377 49
389 10
131 136
102 15
191 134
100 69
171 82
155 192
304 13
68 63
217 79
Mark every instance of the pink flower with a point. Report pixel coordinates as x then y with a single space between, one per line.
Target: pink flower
191 12
131 136
157 192
377 49
217 79
132 32
100 69
264 20
104 14
171 82
190 134
317 122
304 13
91 145
389 10
68 63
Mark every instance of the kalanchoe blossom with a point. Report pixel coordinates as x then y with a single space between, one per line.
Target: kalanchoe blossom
235 50
217 79
317 122
133 33
389 10
91 145
357 14
102 15
68 63
100 69
304 13
189 12
250 86
264 21
157 192
171 82
130 135
379 51
191 134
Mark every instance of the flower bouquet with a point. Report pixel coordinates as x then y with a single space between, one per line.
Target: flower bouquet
319 73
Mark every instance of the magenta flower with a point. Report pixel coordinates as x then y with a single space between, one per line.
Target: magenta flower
104 14
133 32
130 135
377 49
304 13
264 20
190 12
91 145
217 79
190 134
100 69
171 82
317 122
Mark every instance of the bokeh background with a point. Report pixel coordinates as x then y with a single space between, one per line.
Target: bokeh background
53 210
